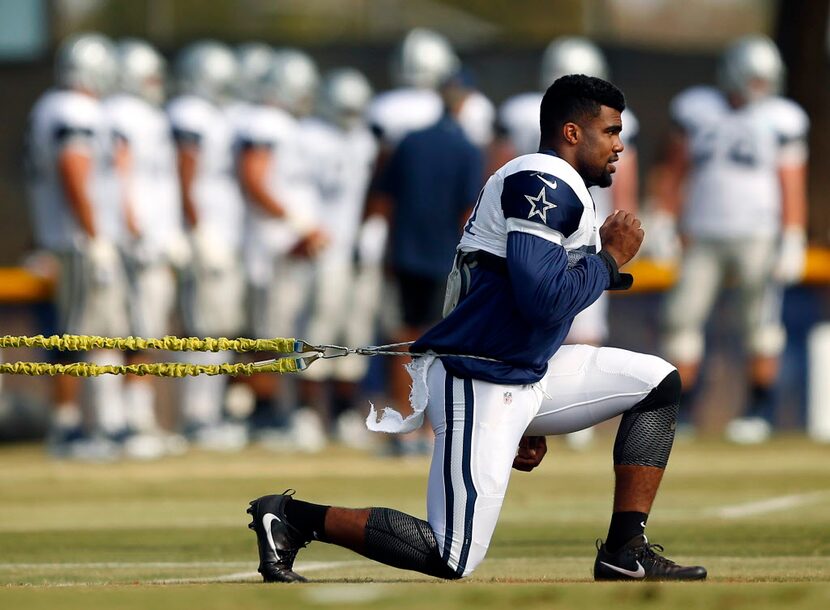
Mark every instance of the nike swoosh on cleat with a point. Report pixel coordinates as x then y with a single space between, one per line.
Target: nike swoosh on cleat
552 185
640 572
267 520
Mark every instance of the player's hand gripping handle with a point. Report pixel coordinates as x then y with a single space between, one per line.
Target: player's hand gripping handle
530 453
621 235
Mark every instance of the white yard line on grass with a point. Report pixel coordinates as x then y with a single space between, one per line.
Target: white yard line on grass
301 568
768 505
119 565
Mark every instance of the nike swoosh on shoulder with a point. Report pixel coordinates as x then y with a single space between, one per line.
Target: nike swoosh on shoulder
552 185
640 572
267 520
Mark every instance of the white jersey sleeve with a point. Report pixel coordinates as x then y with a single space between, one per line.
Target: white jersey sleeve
791 124
392 115
189 117
266 127
695 107
539 194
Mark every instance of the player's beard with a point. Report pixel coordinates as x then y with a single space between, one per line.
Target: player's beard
604 179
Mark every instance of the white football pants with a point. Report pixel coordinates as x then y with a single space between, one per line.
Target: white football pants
478 426
706 263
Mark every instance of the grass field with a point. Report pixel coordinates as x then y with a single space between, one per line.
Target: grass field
173 533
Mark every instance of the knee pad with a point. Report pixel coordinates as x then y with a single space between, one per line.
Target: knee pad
402 541
646 433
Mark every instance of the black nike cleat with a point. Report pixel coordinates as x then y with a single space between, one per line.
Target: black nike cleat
639 560
278 541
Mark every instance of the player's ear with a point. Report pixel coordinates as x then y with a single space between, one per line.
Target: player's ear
570 132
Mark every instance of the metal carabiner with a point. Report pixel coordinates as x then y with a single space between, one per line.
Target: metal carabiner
333 351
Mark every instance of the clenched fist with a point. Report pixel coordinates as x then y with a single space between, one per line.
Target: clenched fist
621 236
530 453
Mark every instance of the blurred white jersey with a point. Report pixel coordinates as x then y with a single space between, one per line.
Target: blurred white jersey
216 192
63 118
396 113
519 117
342 163
287 180
238 112
734 189
153 182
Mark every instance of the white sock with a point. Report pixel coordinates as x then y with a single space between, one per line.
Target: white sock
202 397
139 397
106 394
67 415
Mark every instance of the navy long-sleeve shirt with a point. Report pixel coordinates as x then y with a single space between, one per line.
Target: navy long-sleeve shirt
536 222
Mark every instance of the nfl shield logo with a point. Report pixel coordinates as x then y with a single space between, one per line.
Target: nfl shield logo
508 398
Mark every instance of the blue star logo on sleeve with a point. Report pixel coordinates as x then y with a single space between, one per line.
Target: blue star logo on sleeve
563 216
539 206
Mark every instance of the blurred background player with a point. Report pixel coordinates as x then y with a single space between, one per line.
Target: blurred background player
213 290
344 307
146 164
253 60
431 182
281 231
423 60
740 151
77 216
518 119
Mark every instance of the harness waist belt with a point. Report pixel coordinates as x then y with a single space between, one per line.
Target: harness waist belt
486 260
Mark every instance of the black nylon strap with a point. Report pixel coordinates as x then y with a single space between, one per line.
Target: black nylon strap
485 260
619 281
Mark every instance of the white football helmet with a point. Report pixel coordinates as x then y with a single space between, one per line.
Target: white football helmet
254 59
424 59
141 70
207 69
88 62
571 55
751 67
344 95
291 82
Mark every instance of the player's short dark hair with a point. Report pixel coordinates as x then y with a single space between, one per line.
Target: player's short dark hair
574 97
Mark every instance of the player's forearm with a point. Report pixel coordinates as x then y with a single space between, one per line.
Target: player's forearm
74 168
262 198
187 164
124 168
793 196
624 191
669 176
378 204
548 290
254 167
